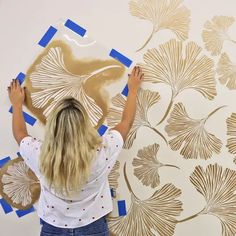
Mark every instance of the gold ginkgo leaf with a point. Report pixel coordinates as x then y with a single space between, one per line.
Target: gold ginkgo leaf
215 33
145 100
163 14
191 133
114 175
231 131
18 184
147 165
227 71
49 80
218 187
156 213
180 68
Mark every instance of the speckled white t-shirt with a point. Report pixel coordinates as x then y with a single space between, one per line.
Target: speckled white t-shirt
93 202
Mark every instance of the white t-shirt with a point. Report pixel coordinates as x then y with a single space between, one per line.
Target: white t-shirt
93 202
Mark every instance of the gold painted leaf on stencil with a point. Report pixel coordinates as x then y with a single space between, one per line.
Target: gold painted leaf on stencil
49 80
147 165
231 131
163 14
191 134
227 72
145 100
18 184
156 213
180 68
218 187
114 175
215 33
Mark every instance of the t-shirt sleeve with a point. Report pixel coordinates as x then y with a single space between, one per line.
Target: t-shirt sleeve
113 143
30 150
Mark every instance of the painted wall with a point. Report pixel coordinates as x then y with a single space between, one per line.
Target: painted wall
177 170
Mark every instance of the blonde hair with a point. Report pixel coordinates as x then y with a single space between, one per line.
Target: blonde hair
68 148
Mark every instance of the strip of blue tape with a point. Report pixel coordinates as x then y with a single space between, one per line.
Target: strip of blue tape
21 213
28 118
112 192
5 206
121 208
21 77
47 36
125 90
75 27
102 129
120 57
4 161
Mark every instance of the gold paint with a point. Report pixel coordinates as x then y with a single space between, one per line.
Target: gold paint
187 69
163 15
191 134
145 100
146 165
164 206
215 33
34 185
231 131
227 71
94 86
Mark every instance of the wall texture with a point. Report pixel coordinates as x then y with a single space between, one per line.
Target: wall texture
176 173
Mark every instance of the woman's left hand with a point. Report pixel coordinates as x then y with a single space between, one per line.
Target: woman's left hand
16 93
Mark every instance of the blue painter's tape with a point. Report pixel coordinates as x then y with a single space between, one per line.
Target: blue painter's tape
4 161
75 27
102 129
121 208
21 213
47 36
120 57
113 193
28 118
5 206
125 90
21 77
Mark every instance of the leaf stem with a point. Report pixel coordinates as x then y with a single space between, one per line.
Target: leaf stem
217 109
127 181
191 217
167 165
158 132
150 37
167 110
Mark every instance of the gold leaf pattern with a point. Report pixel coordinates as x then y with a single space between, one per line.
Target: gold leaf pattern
18 184
231 131
147 165
218 188
163 206
215 33
163 14
57 73
145 100
227 71
114 175
191 132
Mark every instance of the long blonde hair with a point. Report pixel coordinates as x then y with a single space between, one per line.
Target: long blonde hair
68 148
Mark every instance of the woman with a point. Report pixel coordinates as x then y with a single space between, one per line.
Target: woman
73 162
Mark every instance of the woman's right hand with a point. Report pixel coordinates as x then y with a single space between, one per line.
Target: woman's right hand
135 79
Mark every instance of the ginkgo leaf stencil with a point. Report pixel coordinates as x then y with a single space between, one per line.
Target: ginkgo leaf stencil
227 72
181 67
163 205
146 165
191 134
145 100
18 184
49 80
163 14
231 132
217 186
215 33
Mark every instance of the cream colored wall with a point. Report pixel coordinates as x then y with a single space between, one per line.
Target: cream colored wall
22 24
